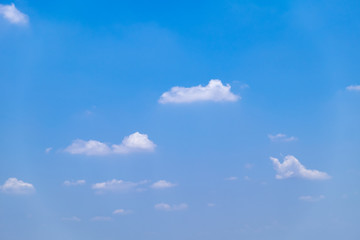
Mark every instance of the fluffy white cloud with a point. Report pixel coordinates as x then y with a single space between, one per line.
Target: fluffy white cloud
215 91
116 186
74 183
133 143
15 186
121 212
291 167
353 88
91 147
311 198
12 14
167 207
161 184
280 137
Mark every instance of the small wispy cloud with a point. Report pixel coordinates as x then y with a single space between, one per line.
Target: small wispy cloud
162 184
211 205
13 15
168 207
100 219
15 186
47 150
117 186
135 142
74 183
121 212
215 91
71 219
311 198
280 137
291 167
353 88
231 178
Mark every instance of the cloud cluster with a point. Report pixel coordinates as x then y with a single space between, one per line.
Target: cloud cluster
291 167
133 143
215 91
280 137
353 88
121 212
15 186
161 184
168 207
13 15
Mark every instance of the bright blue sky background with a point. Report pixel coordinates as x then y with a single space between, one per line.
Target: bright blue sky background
96 70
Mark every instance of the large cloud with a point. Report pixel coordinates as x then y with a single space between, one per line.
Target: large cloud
15 186
291 167
12 14
132 143
215 91
116 186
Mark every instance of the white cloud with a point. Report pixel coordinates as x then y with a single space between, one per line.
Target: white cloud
12 14
74 183
211 205
121 212
15 186
280 137
161 184
91 147
311 198
116 186
167 207
291 167
71 219
133 143
231 179
353 88
215 91
101 219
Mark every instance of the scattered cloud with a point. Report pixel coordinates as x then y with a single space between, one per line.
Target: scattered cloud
122 212
211 204
48 149
116 186
15 186
215 91
231 178
353 88
74 183
247 178
291 167
101 219
311 198
162 184
13 15
133 143
71 219
168 207
280 137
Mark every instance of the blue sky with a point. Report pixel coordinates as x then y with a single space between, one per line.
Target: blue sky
179 120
